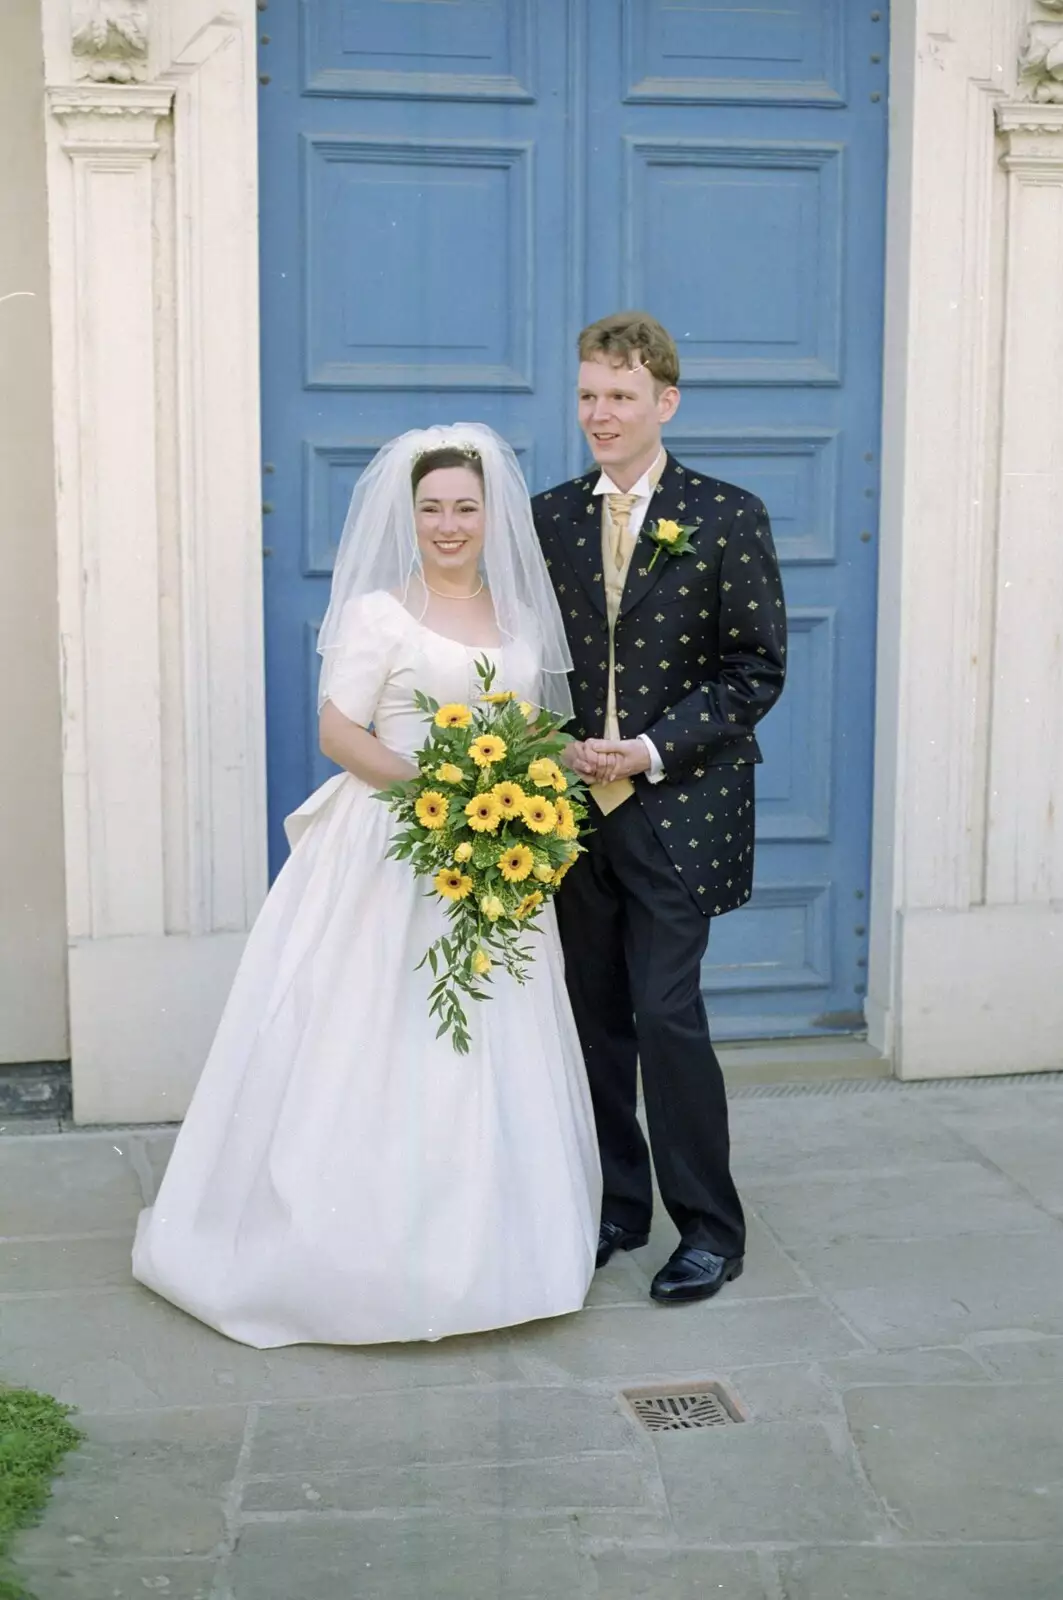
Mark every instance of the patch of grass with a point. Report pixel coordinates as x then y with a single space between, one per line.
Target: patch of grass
35 1435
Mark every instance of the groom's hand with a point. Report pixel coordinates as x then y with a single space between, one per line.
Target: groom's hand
616 758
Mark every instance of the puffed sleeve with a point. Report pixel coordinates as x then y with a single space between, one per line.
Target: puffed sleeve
355 669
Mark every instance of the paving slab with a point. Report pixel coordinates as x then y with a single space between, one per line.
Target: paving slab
131 1349
423 1558
143 1484
765 1483
943 1291
702 1340
798 1139
93 1261
439 1426
986 1572
83 1578
588 1482
58 1184
960 1197
1024 1142
1023 1358
633 1574
945 1364
965 1462
791 1393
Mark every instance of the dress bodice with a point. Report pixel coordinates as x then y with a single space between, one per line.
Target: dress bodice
385 656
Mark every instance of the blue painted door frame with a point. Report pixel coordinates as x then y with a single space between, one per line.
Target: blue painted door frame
448 194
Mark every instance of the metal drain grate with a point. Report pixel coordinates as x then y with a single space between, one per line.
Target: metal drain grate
696 1405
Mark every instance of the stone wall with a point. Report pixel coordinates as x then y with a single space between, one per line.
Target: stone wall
33 1007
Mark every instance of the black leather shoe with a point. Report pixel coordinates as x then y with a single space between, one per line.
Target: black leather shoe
612 1237
694 1275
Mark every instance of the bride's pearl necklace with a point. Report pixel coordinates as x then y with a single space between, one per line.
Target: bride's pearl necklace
444 596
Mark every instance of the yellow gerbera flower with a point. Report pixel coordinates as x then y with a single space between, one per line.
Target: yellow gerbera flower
453 716
492 907
484 813
540 814
452 885
546 774
567 827
516 863
500 697
510 797
528 711
487 749
449 773
481 963
464 851
529 903
544 872
432 809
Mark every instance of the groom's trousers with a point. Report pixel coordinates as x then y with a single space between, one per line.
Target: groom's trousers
634 941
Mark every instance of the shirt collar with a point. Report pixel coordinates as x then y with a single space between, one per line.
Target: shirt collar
642 490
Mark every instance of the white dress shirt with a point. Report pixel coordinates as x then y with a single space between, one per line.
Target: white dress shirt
643 493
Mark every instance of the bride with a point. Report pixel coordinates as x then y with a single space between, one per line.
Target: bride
342 1176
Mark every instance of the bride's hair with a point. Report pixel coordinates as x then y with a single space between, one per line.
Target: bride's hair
447 456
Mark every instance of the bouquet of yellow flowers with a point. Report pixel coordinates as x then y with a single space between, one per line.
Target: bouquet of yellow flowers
495 823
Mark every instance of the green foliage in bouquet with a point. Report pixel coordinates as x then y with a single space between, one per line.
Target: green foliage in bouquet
495 823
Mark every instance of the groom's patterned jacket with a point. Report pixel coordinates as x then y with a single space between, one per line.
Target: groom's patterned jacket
700 657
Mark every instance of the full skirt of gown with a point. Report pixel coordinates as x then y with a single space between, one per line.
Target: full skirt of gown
342 1175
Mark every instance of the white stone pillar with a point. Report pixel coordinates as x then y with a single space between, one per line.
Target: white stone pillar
967 949
153 230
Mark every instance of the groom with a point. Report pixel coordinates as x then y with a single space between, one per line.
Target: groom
678 644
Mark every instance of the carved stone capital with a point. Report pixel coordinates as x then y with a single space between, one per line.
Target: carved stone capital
108 118
109 41
1032 139
1041 61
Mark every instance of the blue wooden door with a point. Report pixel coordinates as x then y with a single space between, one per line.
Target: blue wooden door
449 192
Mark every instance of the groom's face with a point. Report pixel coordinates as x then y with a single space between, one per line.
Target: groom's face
621 411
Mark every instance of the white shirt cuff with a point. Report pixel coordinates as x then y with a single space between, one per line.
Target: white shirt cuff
656 772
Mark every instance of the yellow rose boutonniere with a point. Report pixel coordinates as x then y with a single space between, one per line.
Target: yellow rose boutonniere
673 538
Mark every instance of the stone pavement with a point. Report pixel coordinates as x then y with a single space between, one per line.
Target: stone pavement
896 1345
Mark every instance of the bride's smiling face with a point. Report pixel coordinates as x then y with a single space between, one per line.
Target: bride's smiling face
449 511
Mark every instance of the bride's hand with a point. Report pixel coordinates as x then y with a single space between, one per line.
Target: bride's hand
574 757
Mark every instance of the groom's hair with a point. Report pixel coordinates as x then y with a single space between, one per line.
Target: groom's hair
633 338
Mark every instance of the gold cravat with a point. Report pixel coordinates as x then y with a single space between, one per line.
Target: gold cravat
619 548
610 795
620 506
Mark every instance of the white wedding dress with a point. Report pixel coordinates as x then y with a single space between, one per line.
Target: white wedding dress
342 1176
